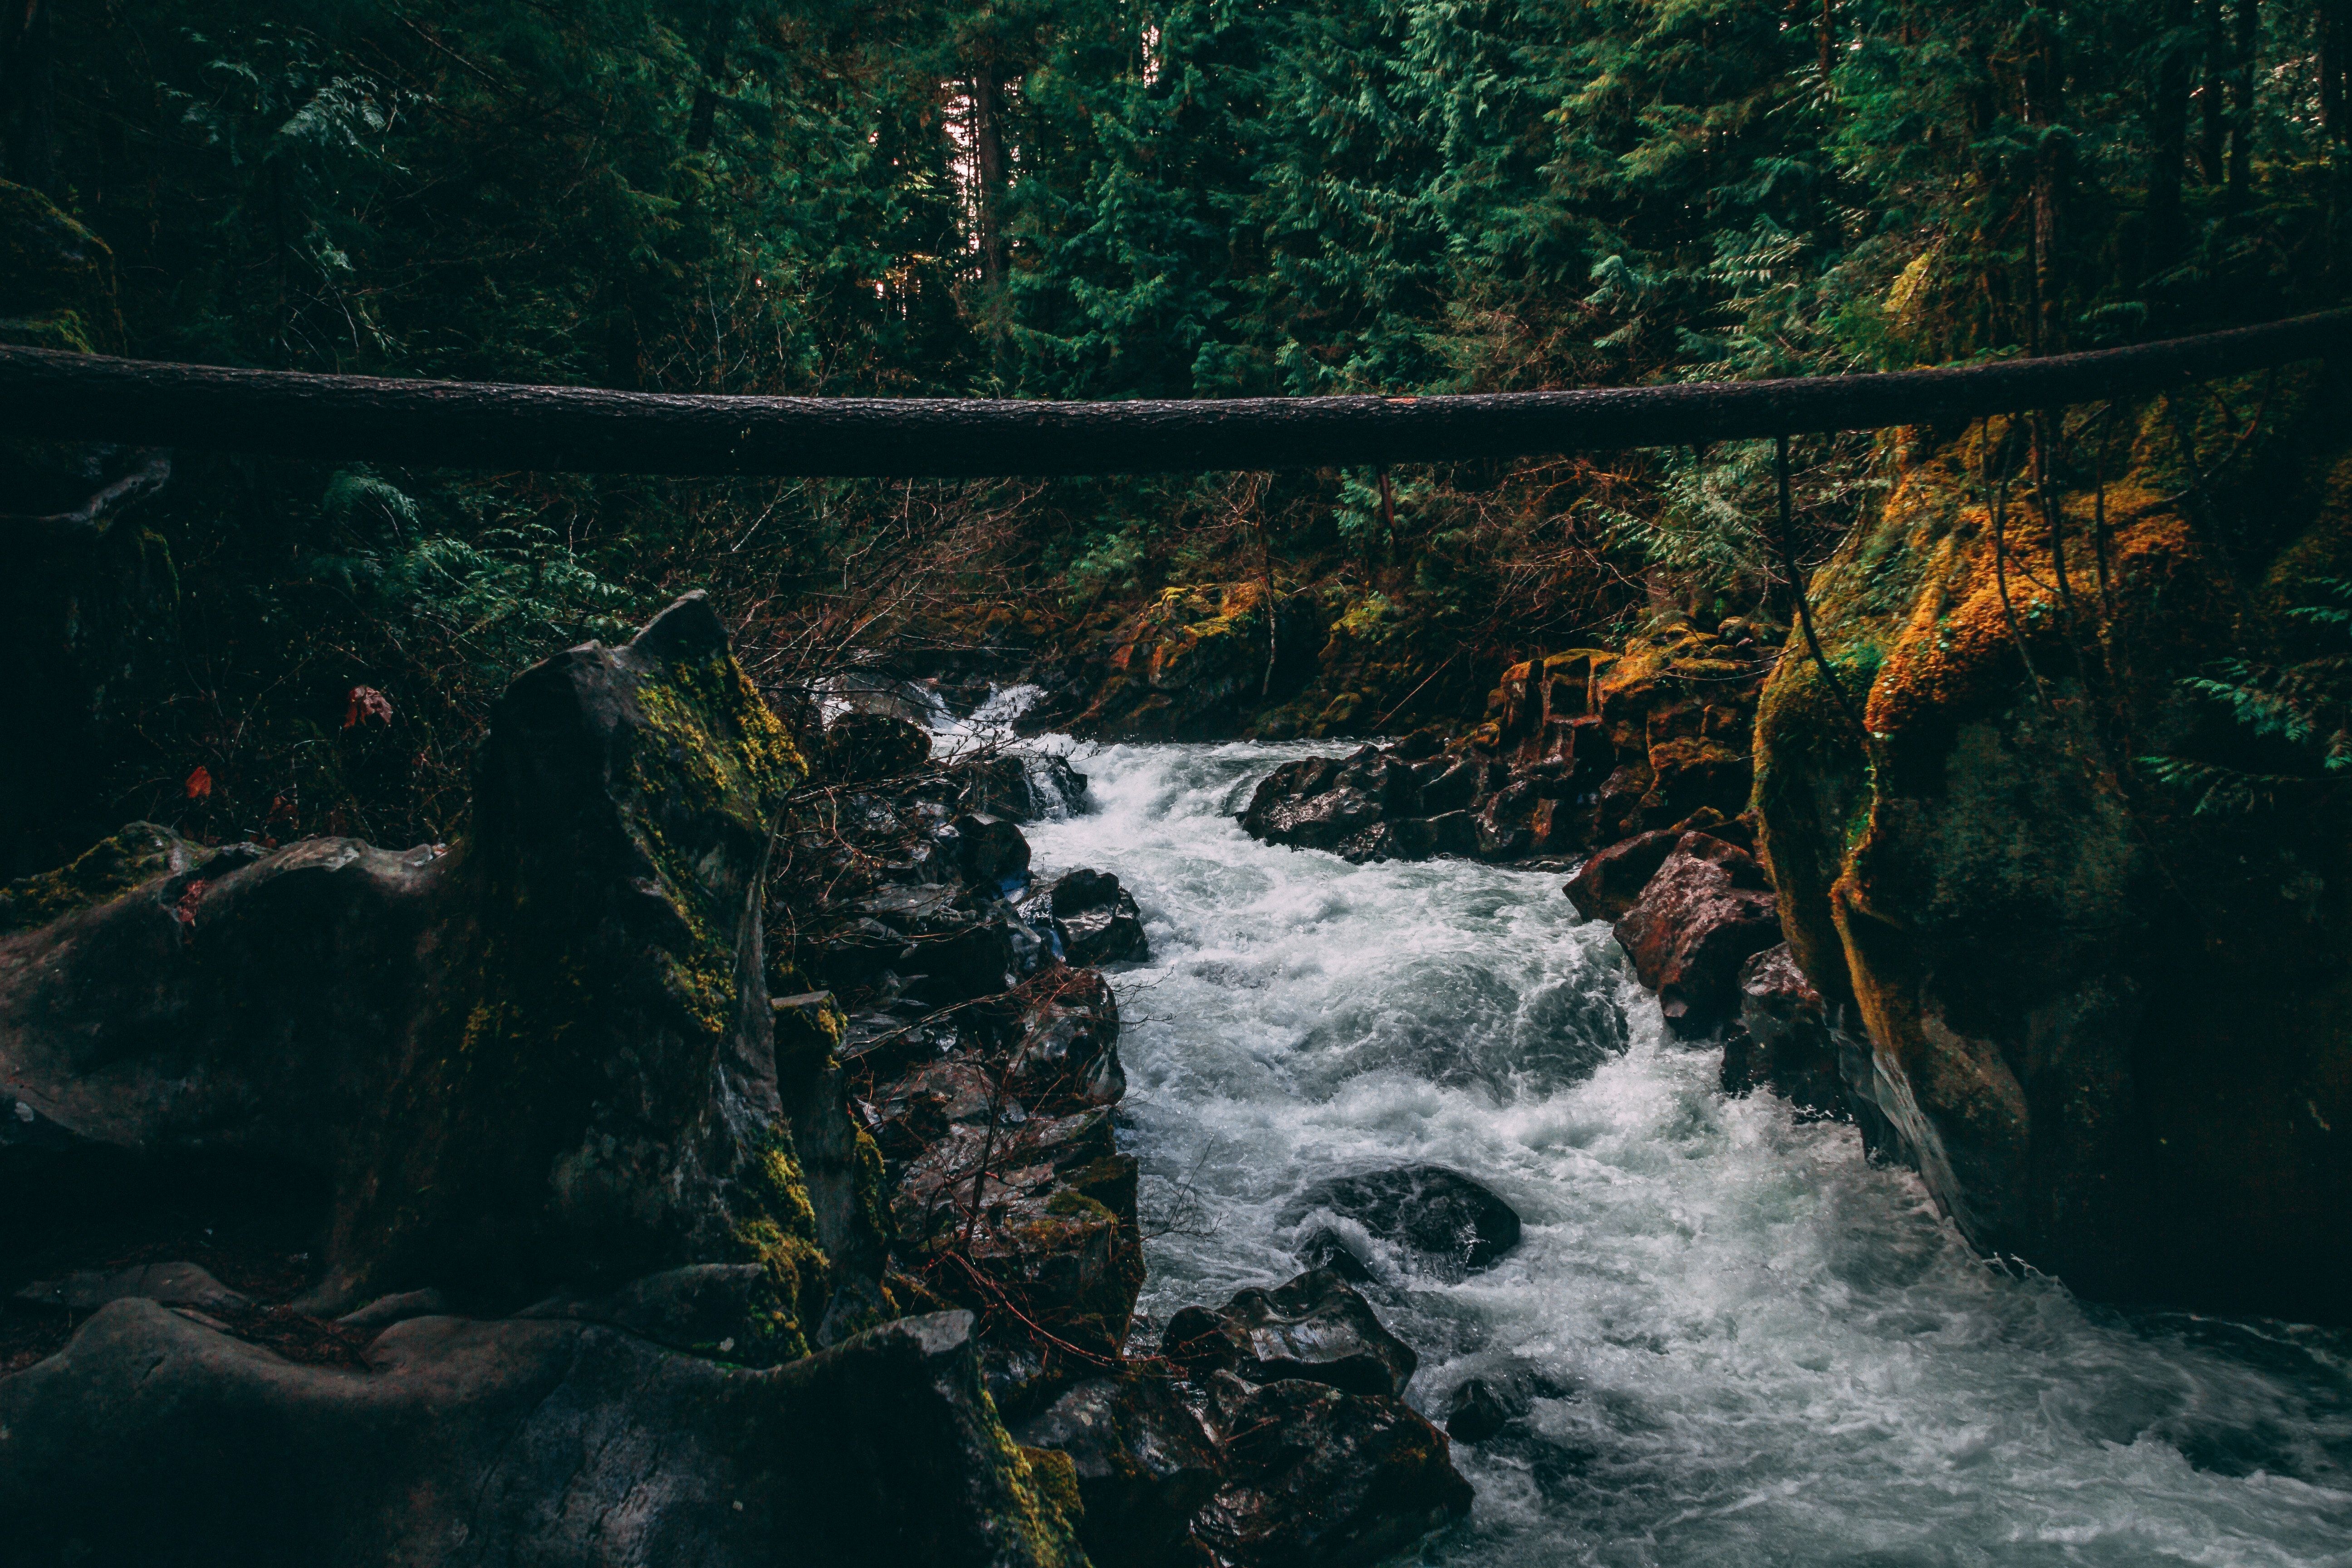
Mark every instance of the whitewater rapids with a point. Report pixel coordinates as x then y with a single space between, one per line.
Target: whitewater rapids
1739 1341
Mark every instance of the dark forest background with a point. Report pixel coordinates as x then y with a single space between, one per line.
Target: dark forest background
1068 198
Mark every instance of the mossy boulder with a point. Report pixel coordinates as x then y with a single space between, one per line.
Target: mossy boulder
2114 1033
57 278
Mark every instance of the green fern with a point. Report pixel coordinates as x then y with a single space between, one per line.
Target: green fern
2303 709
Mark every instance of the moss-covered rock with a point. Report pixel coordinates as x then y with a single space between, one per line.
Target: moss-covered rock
57 278
2112 1032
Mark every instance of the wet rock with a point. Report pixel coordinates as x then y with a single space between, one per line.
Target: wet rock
1316 1328
1020 785
860 747
1363 807
1608 884
1042 1210
1707 911
1784 1037
1318 1478
988 852
1456 1225
990 955
1143 1462
1325 1249
1097 920
1068 1055
524 1441
1475 1413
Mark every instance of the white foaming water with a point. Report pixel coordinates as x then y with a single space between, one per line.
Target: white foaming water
1743 1342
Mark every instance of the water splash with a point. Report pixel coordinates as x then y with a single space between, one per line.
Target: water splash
1736 1340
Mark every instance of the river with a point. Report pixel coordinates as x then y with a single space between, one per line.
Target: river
1738 1341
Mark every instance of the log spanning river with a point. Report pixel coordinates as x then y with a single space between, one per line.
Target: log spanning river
1734 1339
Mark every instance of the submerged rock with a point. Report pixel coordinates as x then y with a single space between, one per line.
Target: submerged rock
1456 1225
1707 911
1475 1413
1315 1328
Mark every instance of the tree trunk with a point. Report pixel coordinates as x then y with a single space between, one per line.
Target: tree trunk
703 123
2244 77
988 167
28 153
2169 118
430 424
2335 69
2211 113
2044 106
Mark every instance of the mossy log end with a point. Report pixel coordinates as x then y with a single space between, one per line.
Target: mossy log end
477 425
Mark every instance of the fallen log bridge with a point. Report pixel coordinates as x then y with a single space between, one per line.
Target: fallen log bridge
481 424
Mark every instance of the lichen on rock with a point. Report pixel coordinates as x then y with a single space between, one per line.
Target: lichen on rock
2110 1029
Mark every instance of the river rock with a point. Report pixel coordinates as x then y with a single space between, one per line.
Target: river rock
1066 1058
1707 911
1327 803
1455 1224
1609 884
153 1438
1318 1478
1475 1413
986 851
1096 919
1038 1215
1784 1037
1316 1328
860 747
1144 1465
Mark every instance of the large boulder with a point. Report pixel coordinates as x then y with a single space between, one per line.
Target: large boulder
1609 883
2112 1030
1706 911
156 1438
543 1067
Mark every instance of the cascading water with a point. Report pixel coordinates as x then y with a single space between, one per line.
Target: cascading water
1734 1339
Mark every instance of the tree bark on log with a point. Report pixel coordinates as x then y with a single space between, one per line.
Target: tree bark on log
431 424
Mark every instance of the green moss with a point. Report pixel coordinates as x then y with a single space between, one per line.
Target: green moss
112 867
57 278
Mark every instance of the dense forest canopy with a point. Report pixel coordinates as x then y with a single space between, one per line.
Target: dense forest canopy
1081 199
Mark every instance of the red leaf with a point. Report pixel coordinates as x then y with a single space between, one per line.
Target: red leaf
367 703
200 784
184 911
